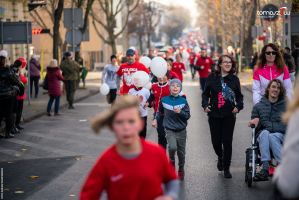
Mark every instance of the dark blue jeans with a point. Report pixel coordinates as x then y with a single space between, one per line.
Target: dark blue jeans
57 101
34 79
202 83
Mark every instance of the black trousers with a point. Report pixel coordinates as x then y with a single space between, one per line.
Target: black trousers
6 107
192 69
161 133
34 79
19 110
222 130
143 132
111 96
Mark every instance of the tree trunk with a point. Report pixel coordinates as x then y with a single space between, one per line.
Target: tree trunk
248 40
113 46
57 18
140 44
148 40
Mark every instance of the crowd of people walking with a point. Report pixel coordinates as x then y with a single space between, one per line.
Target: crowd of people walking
222 100
135 163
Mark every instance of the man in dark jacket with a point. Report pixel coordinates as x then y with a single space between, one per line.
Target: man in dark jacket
70 70
295 55
267 115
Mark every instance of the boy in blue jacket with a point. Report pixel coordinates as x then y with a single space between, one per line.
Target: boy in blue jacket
176 113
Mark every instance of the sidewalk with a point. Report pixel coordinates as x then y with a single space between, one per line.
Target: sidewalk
245 80
38 105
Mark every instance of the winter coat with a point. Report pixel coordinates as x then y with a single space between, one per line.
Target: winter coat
70 69
212 96
290 62
295 55
174 121
253 62
270 115
285 178
24 81
34 68
54 76
9 83
262 77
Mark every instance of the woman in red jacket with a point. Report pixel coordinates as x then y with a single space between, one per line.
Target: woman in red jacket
132 168
54 76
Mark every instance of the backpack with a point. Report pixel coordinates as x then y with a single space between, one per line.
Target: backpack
227 93
45 83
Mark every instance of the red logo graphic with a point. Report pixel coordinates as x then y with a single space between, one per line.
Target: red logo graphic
220 100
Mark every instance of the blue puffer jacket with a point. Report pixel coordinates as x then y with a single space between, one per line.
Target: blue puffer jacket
174 121
270 115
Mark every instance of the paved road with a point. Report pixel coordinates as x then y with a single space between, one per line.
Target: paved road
53 144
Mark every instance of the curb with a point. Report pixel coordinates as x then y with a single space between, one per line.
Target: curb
29 116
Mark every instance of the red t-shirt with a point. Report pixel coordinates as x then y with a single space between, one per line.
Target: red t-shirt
159 92
192 58
127 70
173 75
129 179
206 63
177 68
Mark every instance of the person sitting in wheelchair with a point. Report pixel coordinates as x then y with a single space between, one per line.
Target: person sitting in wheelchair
266 115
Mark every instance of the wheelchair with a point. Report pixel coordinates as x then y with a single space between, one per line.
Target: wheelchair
253 160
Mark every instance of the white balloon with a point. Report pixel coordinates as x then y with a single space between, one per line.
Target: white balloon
148 86
132 47
159 67
146 61
140 78
230 49
197 49
185 54
104 89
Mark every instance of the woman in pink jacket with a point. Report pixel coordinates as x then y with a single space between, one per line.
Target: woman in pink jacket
270 65
54 88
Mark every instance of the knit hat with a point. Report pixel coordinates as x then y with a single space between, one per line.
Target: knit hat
53 63
3 53
113 56
176 81
33 56
68 54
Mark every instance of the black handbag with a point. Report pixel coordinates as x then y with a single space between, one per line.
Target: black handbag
45 83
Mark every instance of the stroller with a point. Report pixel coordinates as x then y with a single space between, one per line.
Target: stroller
253 159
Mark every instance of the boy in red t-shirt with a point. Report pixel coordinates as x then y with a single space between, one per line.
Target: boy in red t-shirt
178 67
132 168
126 70
204 62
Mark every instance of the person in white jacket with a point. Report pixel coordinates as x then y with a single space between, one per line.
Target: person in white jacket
270 65
142 94
286 177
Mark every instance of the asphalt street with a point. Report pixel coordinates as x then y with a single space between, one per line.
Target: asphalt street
61 150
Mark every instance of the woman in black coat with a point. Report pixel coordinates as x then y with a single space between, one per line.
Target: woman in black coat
222 110
9 86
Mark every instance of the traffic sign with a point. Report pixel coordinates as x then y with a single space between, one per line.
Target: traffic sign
264 35
69 36
70 48
78 19
269 12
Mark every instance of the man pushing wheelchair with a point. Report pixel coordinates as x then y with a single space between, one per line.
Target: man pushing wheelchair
266 115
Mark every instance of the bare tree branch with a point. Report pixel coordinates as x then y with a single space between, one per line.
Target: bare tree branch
104 40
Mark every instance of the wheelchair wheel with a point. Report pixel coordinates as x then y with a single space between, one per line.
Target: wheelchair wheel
248 153
249 179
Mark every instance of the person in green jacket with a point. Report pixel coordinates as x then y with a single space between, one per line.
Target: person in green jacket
70 70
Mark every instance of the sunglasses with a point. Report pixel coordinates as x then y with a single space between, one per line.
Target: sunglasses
269 52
